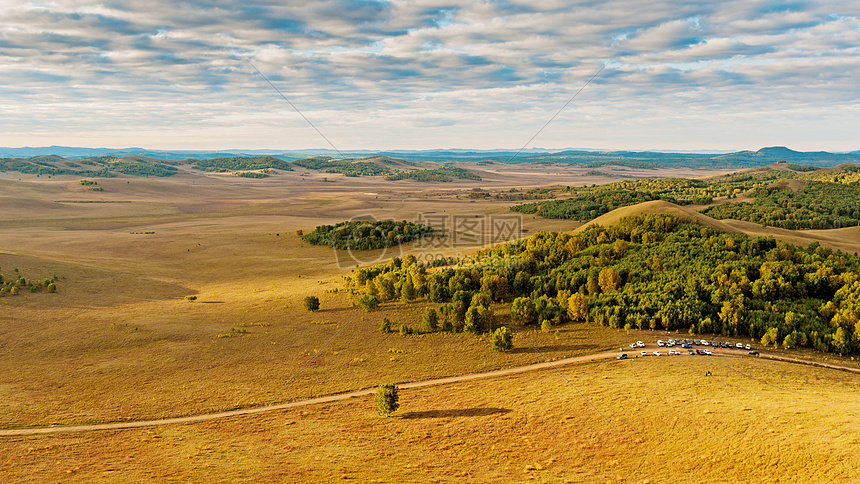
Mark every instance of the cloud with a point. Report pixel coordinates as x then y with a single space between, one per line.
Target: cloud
478 72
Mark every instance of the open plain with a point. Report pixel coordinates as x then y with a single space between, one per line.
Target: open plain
118 341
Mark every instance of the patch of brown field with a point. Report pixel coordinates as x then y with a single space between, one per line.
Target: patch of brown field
645 420
658 207
789 184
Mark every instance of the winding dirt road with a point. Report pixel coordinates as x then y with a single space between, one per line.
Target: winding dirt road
360 393
300 403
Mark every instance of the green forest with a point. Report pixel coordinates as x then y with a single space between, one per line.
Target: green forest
849 174
344 167
367 235
444 174
97 167
241 163
587 203
817 205
649 271
829 199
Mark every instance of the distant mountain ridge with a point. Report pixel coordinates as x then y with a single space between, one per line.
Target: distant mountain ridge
635 159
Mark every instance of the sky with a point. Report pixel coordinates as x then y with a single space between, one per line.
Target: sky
430 74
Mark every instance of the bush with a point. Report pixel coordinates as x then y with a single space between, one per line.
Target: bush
502 339
190 297
430 321
312 303
385 327
368 302
405 330
387 399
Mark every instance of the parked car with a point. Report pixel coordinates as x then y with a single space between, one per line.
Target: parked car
660 343
739 346
754 352
708 352
692 352
696 342
671 342
686 345
674 352
705 342
622 356
633 345
714 344
748 347
644 353
657 353
640 344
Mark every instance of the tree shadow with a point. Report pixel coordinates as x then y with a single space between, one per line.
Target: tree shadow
458 412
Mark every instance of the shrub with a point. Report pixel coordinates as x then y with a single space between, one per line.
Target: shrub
430 321
190 297
502 339
368 302
523 311
387 399
385 327
312 303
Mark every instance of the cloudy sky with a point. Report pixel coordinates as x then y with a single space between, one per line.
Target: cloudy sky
695 75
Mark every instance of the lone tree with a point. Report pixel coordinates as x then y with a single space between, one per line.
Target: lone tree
386 398
502 339
312 303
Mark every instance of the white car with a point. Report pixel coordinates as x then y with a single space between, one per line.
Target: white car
707 352
644 353
704 342
674 352
640 344
739 346
748 347
671 342
660 343
657 353
632 345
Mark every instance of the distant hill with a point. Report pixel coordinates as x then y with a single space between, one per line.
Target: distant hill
631 159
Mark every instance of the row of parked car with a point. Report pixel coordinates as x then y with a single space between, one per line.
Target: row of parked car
688 344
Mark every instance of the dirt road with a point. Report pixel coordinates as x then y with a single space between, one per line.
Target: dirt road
364 392
300 403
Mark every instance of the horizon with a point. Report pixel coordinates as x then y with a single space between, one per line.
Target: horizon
395 150
673 77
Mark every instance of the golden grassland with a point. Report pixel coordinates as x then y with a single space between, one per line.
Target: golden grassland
645 420
118 341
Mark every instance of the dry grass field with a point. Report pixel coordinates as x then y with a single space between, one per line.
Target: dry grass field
645 420
118 341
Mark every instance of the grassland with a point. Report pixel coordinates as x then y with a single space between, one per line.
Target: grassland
118 341
648 420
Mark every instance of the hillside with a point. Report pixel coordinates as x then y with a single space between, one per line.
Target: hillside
659 207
